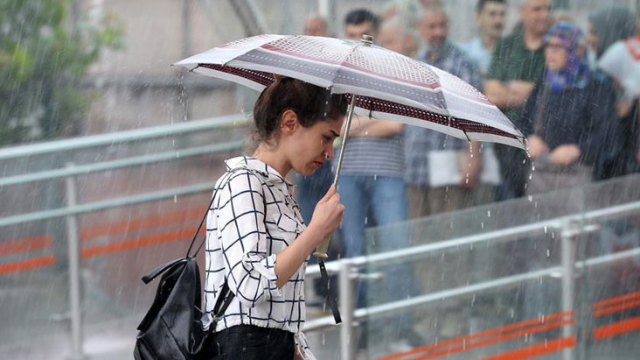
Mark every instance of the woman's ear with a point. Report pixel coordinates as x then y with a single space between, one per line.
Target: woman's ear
289 122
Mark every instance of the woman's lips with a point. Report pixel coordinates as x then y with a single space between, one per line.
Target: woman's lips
318 163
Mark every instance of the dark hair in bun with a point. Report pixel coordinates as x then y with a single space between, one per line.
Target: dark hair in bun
311 104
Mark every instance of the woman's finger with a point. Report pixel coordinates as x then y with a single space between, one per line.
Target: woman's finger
329 194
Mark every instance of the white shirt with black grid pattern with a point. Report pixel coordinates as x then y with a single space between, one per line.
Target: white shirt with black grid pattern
253 218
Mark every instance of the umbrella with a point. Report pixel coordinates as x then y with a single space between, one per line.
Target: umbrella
381 84
387 85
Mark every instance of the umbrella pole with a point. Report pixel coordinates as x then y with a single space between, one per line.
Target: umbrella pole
321 250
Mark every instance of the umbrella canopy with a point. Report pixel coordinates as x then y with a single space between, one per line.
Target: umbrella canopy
387 85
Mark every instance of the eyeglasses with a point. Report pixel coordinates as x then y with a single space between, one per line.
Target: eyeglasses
554 46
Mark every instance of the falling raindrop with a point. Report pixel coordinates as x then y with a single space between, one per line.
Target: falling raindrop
175 198
482 225
548 253
488 213
366 220
530 197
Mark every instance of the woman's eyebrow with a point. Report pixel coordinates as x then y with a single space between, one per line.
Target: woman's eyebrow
335 133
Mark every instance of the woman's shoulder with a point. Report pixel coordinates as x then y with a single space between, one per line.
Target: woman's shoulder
240 177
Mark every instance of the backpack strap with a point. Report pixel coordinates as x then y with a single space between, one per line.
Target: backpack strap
220 307
160 269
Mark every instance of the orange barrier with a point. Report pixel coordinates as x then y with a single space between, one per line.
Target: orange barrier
548 347
176 235
27 264
618 328
617 299
95 231
616 308
501 334
25 245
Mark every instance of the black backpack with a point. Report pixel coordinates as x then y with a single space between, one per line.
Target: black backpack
172 328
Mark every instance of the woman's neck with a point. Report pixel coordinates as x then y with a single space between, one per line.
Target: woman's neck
273 158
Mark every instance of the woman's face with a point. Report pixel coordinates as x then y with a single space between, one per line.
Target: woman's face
556 54
308 148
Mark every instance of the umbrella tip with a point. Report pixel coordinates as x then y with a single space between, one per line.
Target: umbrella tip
367 39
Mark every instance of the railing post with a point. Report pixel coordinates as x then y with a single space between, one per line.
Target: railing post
348 341
77 352
568 250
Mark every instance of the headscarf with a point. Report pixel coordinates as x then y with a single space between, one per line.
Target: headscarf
612 24
576 73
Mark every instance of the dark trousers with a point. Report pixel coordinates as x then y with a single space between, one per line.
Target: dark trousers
247 342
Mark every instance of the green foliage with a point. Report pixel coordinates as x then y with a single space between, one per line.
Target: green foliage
41 63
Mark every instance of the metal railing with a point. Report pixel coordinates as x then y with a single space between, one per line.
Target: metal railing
567 225
70 171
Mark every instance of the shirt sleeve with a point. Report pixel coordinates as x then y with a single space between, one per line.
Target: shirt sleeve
495 71
249 269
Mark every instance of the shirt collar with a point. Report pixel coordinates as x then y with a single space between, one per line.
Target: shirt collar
270 174
424 53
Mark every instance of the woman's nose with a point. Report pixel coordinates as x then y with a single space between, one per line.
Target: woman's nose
329 153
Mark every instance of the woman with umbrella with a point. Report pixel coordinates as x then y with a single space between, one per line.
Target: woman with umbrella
256 239
263 240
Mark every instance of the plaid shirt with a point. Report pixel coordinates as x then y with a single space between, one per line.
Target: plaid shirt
419 142
253 218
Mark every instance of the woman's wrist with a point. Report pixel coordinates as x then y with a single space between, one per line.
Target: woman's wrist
315 234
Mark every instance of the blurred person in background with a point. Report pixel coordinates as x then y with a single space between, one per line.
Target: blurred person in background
565 115
563 121
440 172
608 27
408 10
433 188
517 64
316 25
622 62
360 22
372 185
397 35
490 18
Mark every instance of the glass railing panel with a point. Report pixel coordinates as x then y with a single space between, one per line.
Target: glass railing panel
491 279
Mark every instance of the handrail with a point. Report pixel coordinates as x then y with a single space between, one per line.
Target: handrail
509 233
120 163
106 204
123 136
